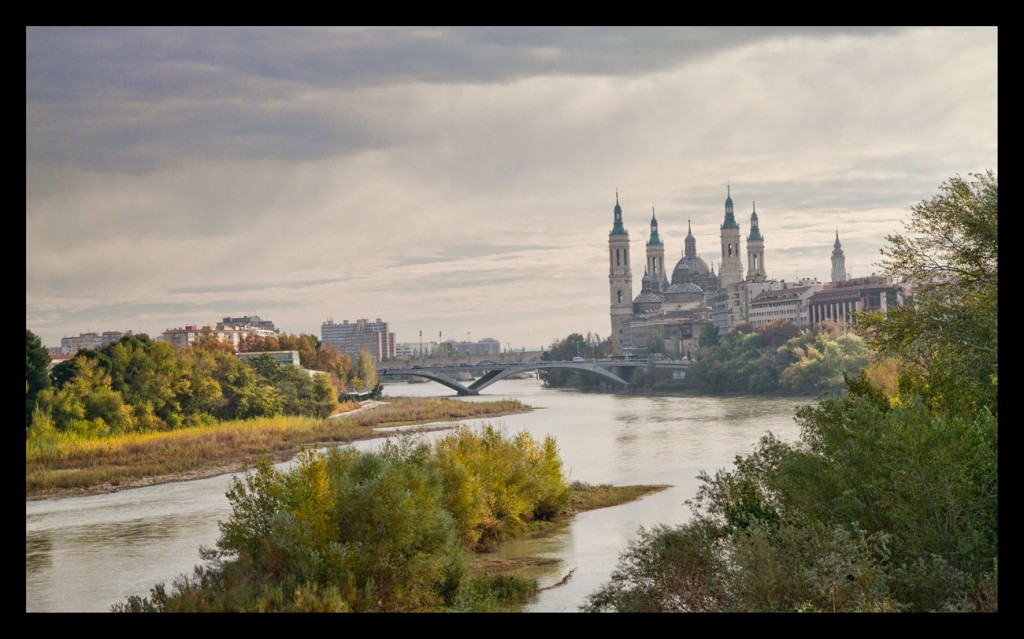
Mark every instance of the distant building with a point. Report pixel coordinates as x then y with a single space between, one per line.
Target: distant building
352 337
789 303
407 350
187 336
486 346
250 322
71 345
838 300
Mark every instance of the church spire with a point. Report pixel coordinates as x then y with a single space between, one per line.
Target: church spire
655 238
838 261
690 243
730 221
617 227
755 232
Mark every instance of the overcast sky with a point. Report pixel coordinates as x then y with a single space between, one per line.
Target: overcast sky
462 180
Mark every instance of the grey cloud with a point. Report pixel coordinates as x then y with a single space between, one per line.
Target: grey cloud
136 99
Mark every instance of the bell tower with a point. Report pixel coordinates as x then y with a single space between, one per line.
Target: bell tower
620 278
730 270
838 261
755 250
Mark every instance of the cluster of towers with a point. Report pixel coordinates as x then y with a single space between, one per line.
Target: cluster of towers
685 298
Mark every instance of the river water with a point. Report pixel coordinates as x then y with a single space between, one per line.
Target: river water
83 554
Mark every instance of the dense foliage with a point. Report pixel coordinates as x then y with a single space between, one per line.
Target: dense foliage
948 338
889 500
588 347
37 377
778 357
387 531
139 385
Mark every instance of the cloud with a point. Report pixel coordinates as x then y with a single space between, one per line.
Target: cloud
467 174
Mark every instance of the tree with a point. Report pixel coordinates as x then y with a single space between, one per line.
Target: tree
366 368
948 258
37 372
710 336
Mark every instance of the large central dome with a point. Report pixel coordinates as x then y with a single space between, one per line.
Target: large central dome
688 267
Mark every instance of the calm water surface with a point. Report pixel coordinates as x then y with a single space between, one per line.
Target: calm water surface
83 554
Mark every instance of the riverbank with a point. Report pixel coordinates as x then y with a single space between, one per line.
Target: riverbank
69 467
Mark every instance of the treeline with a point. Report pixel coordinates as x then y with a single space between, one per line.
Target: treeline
889 499
774 358
387 531
778 357
139 385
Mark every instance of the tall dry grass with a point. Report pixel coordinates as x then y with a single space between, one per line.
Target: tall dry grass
57 461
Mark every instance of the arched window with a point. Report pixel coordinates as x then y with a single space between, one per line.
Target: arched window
620 296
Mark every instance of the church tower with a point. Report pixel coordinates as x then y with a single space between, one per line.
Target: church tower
655 279
620 278
838 261
755 250
730 270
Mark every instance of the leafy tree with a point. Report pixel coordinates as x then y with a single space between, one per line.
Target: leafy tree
710 336
948 257
366 369
86 405
37 372
212 344
298 392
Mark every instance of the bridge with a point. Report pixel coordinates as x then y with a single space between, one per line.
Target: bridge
495 372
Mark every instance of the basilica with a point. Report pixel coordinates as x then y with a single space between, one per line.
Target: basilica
674 308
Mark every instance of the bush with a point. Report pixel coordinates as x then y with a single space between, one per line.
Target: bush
375 531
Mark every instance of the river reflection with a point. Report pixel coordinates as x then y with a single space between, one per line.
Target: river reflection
87 553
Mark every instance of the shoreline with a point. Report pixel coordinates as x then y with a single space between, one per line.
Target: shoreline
227 468
238 464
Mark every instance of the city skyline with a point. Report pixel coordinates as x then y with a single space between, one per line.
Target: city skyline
462 180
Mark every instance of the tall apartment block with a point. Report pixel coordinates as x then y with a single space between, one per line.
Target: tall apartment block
351 337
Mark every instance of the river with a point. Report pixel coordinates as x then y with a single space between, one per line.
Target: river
83 554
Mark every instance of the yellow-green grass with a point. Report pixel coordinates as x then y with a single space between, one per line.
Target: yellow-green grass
65 464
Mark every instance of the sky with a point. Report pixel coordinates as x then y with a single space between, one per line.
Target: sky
461 181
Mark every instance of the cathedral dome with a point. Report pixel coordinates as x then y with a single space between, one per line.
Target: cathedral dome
648 298
688 267
686 287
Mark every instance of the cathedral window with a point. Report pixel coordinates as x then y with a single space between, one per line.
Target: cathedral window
620 296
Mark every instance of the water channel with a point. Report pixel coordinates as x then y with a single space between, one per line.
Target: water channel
83 554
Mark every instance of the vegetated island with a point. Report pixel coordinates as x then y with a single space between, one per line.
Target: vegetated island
87 466
78 467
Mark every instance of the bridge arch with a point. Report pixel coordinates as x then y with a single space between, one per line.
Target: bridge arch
497 373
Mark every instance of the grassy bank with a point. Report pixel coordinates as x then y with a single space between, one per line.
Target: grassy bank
58 464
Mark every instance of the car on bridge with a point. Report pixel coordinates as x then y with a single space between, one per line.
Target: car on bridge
578 359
